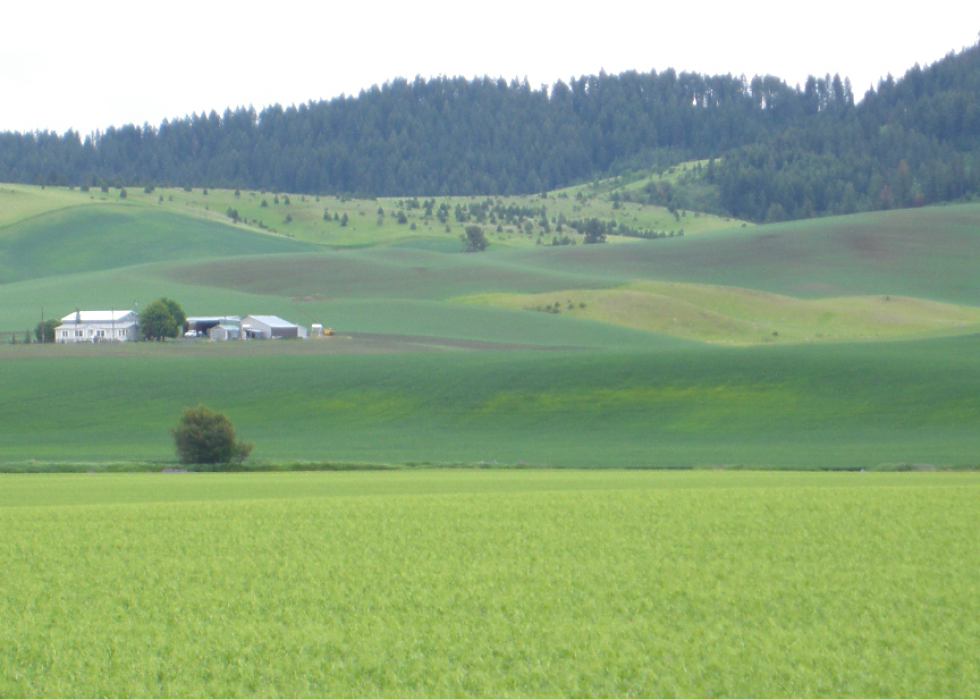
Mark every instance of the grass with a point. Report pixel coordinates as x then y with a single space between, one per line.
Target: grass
668 405
729 315
924 253
490 584
99 238
402 384
303 217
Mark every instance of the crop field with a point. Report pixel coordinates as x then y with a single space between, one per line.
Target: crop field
740 316
502 584
666 404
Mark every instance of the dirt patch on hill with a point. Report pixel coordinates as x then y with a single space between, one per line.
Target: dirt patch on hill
869 245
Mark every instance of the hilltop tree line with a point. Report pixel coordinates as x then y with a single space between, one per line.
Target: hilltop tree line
911 142
780 152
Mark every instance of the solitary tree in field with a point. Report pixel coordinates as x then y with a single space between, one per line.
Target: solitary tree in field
474 239
206 436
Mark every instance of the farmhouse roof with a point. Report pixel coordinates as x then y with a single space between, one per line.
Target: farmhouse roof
95 316
208 319
274 321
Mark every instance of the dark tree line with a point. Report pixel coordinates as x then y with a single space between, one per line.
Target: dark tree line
911 142
782 152
422 137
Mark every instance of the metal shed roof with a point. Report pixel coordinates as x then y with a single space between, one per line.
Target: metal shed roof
272 321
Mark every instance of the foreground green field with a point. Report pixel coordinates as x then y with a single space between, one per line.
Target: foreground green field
527 584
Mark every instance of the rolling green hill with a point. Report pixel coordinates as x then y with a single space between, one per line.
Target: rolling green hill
87 238
420 373
730 315
370 222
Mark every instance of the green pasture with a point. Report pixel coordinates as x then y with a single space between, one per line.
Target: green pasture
91 238
85 257
928 253
311 218
672 404
20 203
739 316
438 584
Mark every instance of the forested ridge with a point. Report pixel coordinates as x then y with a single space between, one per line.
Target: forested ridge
779 152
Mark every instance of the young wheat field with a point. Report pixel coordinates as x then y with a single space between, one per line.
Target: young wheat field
496 584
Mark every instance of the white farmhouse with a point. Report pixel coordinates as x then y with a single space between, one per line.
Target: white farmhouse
98 326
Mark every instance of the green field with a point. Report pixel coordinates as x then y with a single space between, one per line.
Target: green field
838 343
521 544
496 584
397 400
740 316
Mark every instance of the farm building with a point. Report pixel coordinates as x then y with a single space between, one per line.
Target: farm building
269 327
199 326
98 326
224 331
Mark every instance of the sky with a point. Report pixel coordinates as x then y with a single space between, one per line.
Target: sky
86 66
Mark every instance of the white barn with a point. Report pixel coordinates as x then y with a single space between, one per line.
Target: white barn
269 327
98 326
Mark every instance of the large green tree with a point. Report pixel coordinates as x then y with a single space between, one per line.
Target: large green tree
161 319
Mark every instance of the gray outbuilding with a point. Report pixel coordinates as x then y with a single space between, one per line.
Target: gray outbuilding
224 331
270 327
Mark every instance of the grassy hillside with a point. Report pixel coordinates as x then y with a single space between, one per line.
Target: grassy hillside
371 222
929 253
89 238
730 315
921 255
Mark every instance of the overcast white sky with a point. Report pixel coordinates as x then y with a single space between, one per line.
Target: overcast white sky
90 65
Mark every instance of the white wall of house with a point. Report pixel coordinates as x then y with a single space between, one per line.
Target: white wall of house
98 326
